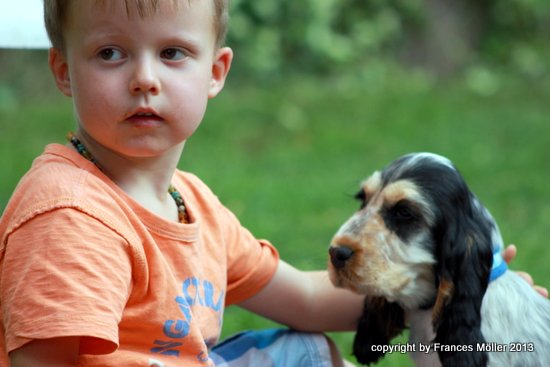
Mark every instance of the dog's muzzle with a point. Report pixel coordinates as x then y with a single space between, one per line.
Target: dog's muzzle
340 255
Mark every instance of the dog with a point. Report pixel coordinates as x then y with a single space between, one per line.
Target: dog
426 253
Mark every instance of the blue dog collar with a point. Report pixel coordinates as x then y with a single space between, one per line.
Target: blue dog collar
499 265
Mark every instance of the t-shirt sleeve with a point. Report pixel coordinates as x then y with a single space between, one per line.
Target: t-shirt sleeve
64 273
251 262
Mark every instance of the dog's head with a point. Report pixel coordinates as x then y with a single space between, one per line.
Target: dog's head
422 240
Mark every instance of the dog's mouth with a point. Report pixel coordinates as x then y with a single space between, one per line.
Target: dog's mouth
394 286
348 279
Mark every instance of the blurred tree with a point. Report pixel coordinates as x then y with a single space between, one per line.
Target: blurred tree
448 36
444 36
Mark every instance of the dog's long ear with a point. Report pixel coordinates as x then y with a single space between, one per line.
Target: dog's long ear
380 322
464 259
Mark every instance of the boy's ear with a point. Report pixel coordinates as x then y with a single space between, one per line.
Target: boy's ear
220 69
60 70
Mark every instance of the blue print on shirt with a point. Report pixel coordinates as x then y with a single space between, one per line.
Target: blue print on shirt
195 293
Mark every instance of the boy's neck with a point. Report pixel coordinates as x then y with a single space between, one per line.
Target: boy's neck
144 179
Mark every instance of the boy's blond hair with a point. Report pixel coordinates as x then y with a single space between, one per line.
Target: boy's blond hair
55 17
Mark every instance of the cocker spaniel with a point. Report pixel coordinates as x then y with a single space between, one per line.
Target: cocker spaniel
426 254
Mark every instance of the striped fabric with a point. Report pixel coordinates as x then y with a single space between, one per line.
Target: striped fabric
273 348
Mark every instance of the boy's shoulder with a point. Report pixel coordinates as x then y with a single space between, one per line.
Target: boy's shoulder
192 184
59 178
60 174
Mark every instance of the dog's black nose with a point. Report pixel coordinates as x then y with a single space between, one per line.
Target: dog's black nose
339 255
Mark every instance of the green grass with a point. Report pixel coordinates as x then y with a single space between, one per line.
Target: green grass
287 157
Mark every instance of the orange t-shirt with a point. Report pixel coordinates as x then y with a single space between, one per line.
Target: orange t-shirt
79 257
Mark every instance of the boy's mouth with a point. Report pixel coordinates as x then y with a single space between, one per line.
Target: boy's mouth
147 114
145 119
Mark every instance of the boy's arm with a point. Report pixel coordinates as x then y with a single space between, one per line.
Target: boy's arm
55 352
307 301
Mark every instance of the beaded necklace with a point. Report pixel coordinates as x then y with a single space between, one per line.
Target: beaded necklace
174 193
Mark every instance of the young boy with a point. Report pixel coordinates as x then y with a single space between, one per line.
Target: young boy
109 255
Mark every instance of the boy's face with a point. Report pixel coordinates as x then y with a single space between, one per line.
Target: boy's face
140 85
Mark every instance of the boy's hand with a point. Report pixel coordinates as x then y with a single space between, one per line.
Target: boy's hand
509 254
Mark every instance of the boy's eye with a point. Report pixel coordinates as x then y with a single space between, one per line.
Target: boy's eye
110 54
173 53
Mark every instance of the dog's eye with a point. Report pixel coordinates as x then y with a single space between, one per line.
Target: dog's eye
362 197
404 218
403 212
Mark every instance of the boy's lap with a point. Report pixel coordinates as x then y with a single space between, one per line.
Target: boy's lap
273 348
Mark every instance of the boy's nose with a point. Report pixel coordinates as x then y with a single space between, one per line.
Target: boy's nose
145 80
